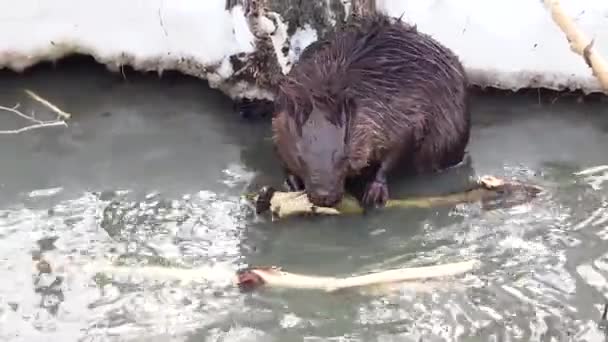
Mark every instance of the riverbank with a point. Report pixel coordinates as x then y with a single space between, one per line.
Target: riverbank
505 45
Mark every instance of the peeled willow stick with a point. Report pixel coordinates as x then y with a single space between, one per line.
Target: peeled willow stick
185 276
414 278
48 104
274 277
579 42
492 192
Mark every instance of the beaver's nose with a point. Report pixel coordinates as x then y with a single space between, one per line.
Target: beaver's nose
324 198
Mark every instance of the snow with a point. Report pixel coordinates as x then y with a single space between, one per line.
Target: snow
303 37
511 44
505 44
149 35
202 29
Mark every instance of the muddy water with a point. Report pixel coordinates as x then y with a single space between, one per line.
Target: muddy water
151 171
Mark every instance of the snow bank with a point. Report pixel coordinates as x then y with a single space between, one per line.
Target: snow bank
511 44
196 37
506 44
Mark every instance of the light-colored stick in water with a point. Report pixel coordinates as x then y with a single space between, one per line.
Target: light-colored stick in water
35 122
48 104
414 278
277 278
218 274
591 170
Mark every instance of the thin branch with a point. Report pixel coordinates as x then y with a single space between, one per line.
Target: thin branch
36 123
16 112
48 104
31 127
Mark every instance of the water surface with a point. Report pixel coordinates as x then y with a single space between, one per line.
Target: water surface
152 171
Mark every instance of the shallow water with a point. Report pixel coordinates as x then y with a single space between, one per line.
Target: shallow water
151 171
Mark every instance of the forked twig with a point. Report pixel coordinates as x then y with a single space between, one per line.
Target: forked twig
36 123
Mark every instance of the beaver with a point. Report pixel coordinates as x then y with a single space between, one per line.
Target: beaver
371 99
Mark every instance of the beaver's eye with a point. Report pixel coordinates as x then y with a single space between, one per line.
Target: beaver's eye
340 160
337 159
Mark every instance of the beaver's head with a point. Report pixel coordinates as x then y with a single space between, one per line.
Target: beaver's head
316 147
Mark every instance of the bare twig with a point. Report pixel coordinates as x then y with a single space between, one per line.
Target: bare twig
31 127
48 104
36 123
16 112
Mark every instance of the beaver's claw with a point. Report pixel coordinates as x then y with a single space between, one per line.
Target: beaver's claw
376 194
293 183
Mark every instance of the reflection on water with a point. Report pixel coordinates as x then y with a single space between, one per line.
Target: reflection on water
151 172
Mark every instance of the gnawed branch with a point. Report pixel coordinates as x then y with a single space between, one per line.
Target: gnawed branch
255 277
491 192
418 278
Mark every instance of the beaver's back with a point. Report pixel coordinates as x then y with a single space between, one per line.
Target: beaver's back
406 87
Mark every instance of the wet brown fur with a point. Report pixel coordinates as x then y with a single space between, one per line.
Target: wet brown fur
388 89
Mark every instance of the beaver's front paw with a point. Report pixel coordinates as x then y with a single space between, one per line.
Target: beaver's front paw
376 194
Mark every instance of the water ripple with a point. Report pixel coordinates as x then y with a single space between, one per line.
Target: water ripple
201 229
544 277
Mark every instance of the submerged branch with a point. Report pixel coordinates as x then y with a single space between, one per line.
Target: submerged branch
51 106
418 278
36 123
31 127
